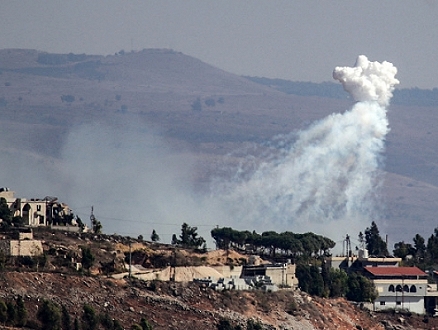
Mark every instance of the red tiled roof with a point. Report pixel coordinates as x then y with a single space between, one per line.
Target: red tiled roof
394 271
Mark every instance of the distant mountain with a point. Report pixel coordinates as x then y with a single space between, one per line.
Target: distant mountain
53 108
404 96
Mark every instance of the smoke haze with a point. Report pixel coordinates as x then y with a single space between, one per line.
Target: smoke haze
326 178
323 179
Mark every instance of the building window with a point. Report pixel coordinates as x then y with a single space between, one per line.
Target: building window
399 288
413 288
398 303
405 288
38 207
382 303
391 288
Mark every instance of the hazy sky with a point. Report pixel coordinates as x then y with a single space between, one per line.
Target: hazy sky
295 40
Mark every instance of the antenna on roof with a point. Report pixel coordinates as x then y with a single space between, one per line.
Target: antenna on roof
346 244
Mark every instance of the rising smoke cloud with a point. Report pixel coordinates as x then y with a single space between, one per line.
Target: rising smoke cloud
323 179
326 179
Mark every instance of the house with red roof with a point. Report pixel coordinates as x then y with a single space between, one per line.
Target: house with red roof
399 288
404 288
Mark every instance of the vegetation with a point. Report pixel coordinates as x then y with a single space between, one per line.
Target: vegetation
154 236
189 237
65 318
297 246
360 288
374 242
50 316
21 312
67 98
197 105
87 258
90 320
405 96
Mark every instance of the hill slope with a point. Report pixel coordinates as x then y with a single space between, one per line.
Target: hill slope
196 111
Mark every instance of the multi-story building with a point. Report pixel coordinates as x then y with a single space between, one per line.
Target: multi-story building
35 212
281 274
399 288
404 288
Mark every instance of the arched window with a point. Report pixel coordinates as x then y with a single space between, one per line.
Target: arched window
413 288
391 288
406 288
398 288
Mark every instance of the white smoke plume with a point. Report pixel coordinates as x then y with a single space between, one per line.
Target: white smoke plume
326 180
368 81
322 179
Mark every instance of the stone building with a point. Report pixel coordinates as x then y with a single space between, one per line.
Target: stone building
281 274
23 245
35 212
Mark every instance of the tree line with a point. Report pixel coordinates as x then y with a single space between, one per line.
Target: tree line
286 243
52 316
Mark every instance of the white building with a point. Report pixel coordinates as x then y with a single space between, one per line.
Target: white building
399 288
35 212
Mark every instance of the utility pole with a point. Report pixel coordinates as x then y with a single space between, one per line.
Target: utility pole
130 258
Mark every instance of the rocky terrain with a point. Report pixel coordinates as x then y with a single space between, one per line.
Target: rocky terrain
175 305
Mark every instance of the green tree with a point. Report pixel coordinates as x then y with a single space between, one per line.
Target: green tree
65 318
12 312
252 325
432 247
197 105
189 237
67 98
338 281
310 279
174 240
96 226
145 325
360 289
106 321
225 324
50 316
419 246
87 258
154 236
5 212
374 243
89 318
3 260
402 250
21 312
117 325
3 312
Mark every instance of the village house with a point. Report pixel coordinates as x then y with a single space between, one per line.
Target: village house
404 288
21 244
399 288
35 212
280 274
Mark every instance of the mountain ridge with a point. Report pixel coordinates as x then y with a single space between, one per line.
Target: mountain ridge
197 109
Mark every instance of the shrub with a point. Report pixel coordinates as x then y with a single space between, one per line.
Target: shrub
89 318
50 316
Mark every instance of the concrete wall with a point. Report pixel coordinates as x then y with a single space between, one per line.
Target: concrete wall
24 248
414 304
413 301
226 271
280 274
72 229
